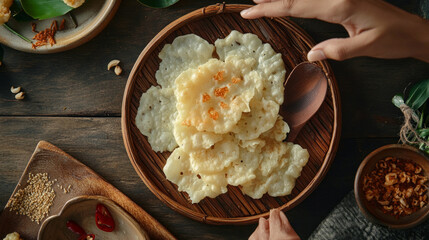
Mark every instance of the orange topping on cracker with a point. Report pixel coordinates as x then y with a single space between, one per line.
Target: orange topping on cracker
213 114
223 105
219 76
235 80
221 92
186 123
206 97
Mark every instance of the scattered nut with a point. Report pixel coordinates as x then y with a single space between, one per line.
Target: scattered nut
113 63
15 89
391 179
1 63
118 70
19 96
388 208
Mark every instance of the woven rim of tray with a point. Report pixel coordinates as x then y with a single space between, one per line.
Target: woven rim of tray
303 44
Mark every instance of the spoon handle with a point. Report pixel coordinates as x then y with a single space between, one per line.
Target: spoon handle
294 131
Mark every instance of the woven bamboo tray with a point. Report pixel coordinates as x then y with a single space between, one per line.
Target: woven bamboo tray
320 135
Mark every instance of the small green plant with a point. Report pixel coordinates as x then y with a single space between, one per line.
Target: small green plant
414 105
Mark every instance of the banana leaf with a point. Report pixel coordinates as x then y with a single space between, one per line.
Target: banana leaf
418 94
158 3
44 9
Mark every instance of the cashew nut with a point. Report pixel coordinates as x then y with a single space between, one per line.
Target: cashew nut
15 89
118 70
19 96
113 63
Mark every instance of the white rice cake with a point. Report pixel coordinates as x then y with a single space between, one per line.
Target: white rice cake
282 170
279 131
213 97
243 171
189 138
187 51
178 170
253 145
155 118
261 118
217 158
269 63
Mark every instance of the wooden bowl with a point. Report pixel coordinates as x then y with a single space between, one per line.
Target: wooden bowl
373 213
82 211
320 135
92 17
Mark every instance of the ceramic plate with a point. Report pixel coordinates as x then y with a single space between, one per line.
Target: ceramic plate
81 210
92 18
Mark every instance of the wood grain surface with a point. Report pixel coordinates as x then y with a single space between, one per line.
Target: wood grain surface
74 103
67 171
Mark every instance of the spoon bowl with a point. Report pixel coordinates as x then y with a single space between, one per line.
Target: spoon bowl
305 91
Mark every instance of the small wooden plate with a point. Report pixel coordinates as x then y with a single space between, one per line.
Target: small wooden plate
92 17
320 135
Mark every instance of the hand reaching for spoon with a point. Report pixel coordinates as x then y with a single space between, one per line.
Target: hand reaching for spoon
376 28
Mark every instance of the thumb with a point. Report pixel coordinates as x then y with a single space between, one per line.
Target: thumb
337 49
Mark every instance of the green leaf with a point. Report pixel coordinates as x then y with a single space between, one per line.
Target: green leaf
398 100
158 3
18 12
44 9
418 94
1 53
424 132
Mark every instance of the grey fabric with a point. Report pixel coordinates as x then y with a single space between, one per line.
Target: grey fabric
347 222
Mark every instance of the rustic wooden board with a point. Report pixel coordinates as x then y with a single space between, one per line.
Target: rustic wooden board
320 136
68 171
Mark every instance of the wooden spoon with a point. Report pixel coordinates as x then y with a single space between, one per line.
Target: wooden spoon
305 91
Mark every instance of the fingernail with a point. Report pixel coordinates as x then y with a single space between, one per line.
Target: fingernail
245 12
316 55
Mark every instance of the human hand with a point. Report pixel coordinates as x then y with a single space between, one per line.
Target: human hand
376 28
277 227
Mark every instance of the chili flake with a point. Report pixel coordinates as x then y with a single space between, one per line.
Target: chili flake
206 97
221 92
62 24
213 114
186 123
223 105
33 28
219 76
46 36
235 80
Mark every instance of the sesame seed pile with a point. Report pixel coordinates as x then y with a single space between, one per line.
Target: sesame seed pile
35 199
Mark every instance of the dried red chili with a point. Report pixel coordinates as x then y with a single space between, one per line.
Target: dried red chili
74 227
104 219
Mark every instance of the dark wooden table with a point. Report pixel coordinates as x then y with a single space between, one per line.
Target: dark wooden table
74 103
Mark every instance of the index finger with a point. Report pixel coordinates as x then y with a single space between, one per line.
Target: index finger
328 10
